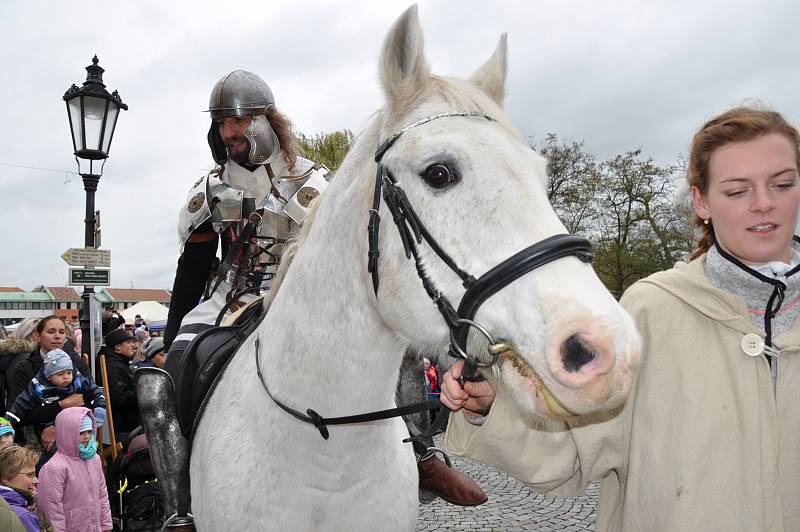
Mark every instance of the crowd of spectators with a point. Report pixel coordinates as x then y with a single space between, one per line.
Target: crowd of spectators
54 407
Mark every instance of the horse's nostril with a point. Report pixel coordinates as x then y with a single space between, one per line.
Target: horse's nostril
576 353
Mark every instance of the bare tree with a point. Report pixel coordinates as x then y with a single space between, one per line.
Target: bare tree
573 180
640 226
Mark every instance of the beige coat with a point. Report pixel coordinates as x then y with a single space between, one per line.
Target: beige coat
702 444
9 522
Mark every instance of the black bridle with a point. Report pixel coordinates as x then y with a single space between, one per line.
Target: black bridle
412 233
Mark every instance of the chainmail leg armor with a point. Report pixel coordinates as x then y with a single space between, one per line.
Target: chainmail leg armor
411 389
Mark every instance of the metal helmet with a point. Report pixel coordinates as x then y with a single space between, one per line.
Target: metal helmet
241 93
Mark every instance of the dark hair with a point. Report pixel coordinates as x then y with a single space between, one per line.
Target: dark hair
41 325
740 124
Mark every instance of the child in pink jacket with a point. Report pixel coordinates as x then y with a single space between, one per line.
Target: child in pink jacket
72 488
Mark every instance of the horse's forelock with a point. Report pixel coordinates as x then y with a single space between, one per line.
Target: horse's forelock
458 95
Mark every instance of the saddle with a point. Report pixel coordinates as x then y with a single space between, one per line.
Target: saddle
203 362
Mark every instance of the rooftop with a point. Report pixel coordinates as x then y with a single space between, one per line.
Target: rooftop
138 294
25 296
61 293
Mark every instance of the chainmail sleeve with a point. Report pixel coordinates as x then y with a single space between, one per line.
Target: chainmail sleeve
191 276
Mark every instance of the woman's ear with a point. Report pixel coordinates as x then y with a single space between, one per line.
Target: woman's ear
699 204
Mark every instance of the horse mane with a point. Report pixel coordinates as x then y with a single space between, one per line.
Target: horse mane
363 142
289 252
458 93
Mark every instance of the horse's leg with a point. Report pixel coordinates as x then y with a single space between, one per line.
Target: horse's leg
435 477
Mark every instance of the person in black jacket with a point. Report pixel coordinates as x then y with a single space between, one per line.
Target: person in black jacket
111 321
12 352
120 347
50 334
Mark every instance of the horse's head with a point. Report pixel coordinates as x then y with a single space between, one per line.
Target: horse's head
480 192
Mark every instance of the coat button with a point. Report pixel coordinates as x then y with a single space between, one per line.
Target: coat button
752 344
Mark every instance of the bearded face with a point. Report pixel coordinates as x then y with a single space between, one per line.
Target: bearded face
231 130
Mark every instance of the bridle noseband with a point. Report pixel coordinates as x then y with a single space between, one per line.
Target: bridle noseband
412 233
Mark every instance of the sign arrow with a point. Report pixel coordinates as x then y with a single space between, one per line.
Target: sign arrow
88 257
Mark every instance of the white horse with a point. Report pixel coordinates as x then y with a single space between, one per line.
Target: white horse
329 344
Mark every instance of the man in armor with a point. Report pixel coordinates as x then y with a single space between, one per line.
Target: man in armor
250 203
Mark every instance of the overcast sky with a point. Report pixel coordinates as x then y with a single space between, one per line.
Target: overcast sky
618 75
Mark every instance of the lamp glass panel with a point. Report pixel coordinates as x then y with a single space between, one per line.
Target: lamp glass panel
94 113
77 123
113 113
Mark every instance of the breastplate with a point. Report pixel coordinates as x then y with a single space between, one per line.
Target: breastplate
255 261
282 208
279 198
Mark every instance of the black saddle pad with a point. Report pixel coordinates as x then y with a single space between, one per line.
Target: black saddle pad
202 363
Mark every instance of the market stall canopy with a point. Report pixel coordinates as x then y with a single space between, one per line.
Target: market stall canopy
149 310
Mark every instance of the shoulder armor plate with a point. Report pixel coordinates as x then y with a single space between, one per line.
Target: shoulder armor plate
297 189
225 202
195 211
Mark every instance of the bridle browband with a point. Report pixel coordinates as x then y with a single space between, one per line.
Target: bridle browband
412 233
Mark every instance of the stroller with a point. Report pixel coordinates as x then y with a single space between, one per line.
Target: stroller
133 491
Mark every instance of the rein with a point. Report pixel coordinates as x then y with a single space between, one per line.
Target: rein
412 233
321 422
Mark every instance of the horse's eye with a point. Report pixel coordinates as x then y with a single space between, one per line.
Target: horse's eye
439 176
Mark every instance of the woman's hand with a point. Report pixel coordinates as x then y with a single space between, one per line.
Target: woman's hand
48 438
474 396
74 399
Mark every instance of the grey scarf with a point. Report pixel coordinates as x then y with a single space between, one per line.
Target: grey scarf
739 279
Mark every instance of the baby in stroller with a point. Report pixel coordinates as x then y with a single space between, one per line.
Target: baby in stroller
136 502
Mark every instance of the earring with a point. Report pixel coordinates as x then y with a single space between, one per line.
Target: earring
705 222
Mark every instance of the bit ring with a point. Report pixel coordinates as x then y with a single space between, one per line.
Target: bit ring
494 348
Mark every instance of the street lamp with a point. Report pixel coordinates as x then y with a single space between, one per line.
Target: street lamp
92 114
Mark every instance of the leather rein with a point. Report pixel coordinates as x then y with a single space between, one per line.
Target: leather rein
412 233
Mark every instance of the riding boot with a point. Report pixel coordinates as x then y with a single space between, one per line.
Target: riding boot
169 449
453 486
436 478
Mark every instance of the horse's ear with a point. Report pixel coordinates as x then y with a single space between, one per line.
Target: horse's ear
404 71
491 77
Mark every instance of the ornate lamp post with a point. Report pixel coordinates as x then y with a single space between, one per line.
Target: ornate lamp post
92 114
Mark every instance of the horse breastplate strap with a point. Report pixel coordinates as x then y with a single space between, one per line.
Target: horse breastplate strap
413 232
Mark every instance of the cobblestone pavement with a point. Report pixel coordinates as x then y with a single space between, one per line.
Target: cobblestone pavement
511 506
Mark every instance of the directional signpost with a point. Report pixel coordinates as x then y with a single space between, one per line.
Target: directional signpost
87 276
88 257
81 277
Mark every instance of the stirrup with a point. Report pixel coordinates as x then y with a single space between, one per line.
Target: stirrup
178 522
430 452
